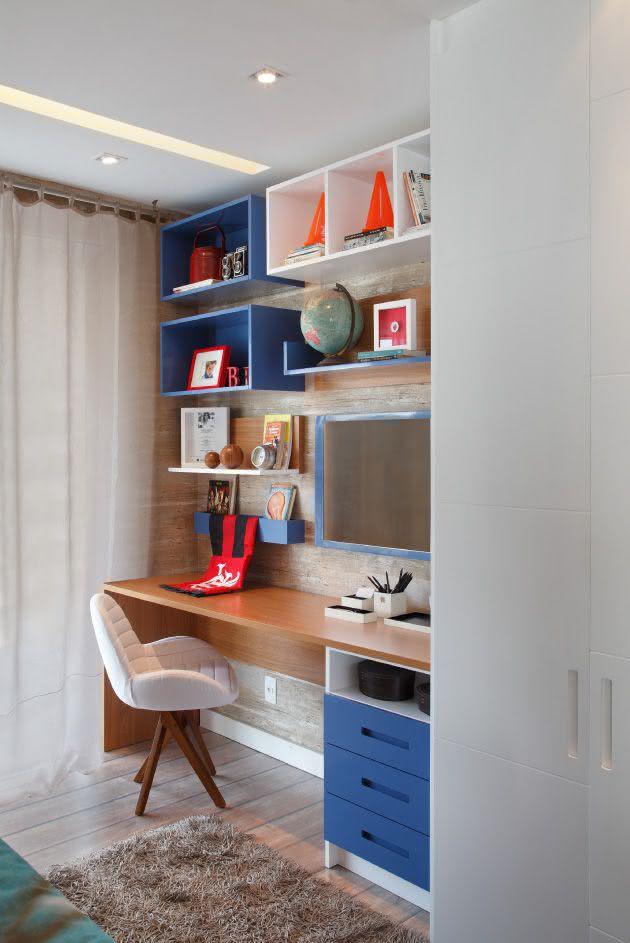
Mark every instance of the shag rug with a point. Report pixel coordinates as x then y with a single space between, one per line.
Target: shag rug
202 881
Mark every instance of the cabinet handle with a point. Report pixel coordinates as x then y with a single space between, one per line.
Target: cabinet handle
386 790
385 738
607 725
573 715
388 846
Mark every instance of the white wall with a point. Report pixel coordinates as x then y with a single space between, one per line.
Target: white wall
510 149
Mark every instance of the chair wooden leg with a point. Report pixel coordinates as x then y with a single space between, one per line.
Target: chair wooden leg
151 764
140 774
176 728
200 743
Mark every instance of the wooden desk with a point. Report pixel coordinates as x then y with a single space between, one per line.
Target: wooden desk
280 629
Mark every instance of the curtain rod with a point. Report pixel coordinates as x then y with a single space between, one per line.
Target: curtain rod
87 201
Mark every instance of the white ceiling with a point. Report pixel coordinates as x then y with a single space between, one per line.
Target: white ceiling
358 76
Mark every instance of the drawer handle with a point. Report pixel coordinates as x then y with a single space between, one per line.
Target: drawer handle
385 738
378 787
388 846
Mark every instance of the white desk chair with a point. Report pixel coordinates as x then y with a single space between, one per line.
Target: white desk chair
175 676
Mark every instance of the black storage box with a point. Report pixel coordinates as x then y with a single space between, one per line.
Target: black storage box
423 694
385 682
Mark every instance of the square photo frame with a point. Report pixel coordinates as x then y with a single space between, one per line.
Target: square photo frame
208 368
395 325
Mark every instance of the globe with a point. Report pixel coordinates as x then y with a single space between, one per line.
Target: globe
326 321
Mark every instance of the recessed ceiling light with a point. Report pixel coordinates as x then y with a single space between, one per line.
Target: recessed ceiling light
120 129
108 159
267 75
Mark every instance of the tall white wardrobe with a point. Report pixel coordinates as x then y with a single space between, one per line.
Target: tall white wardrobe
530 146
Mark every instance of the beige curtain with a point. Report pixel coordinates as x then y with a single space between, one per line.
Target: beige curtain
78 356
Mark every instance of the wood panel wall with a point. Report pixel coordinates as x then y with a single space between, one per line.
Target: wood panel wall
299 566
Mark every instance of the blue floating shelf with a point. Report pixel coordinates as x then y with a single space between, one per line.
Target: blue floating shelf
300 358
244 224
255 335
269 532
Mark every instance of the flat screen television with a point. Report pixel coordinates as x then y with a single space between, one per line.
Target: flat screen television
373 483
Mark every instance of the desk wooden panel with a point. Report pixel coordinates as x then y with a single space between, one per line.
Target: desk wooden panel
283 630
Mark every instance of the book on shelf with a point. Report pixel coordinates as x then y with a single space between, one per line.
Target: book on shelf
222 495
418 189
356 239
388 353
311 251
278 431
413 229
280 501
204 283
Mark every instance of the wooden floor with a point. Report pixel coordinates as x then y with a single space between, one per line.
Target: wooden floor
276 803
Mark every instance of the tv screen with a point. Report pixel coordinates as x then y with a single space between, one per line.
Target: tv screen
374 482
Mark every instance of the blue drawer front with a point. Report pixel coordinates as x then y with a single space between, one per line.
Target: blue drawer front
380 735
395 848
383 789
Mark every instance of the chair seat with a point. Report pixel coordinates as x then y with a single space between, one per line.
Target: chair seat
190 674
176 677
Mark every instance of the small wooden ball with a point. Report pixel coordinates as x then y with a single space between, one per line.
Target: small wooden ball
212 459
231 456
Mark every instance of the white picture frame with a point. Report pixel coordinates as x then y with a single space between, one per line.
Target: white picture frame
204 429
399 314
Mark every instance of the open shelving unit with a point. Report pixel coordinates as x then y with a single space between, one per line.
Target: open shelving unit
347 186
243 222
269 532
247 433
255 335
300 358
341 680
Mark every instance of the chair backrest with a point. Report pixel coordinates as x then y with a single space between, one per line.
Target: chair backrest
124 656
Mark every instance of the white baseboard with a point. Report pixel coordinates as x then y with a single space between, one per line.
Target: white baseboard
291 753
333 855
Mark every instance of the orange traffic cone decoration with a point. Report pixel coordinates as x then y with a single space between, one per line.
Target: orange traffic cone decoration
380 212
318 227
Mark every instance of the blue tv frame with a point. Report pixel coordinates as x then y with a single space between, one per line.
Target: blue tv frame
320 540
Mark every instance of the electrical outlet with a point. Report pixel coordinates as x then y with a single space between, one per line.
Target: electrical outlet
270 689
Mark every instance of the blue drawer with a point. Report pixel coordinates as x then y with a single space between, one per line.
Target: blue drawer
380 735
383 789
395 848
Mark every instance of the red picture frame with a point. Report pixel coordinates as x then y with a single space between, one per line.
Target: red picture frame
207 372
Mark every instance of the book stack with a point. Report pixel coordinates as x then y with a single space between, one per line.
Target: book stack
388 353
366 238
418 188
204 283
304 253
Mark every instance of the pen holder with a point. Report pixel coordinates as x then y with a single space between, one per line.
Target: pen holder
387 605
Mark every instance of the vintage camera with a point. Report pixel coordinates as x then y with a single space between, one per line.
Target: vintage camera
239 261
227 265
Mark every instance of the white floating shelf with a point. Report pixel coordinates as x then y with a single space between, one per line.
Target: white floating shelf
221 472
364 260
347 186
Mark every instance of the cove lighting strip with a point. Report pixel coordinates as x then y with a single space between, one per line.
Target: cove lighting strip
48 108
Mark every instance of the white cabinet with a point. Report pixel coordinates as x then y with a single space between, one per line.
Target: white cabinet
609 865
511 418
513 634
610 516
511 857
